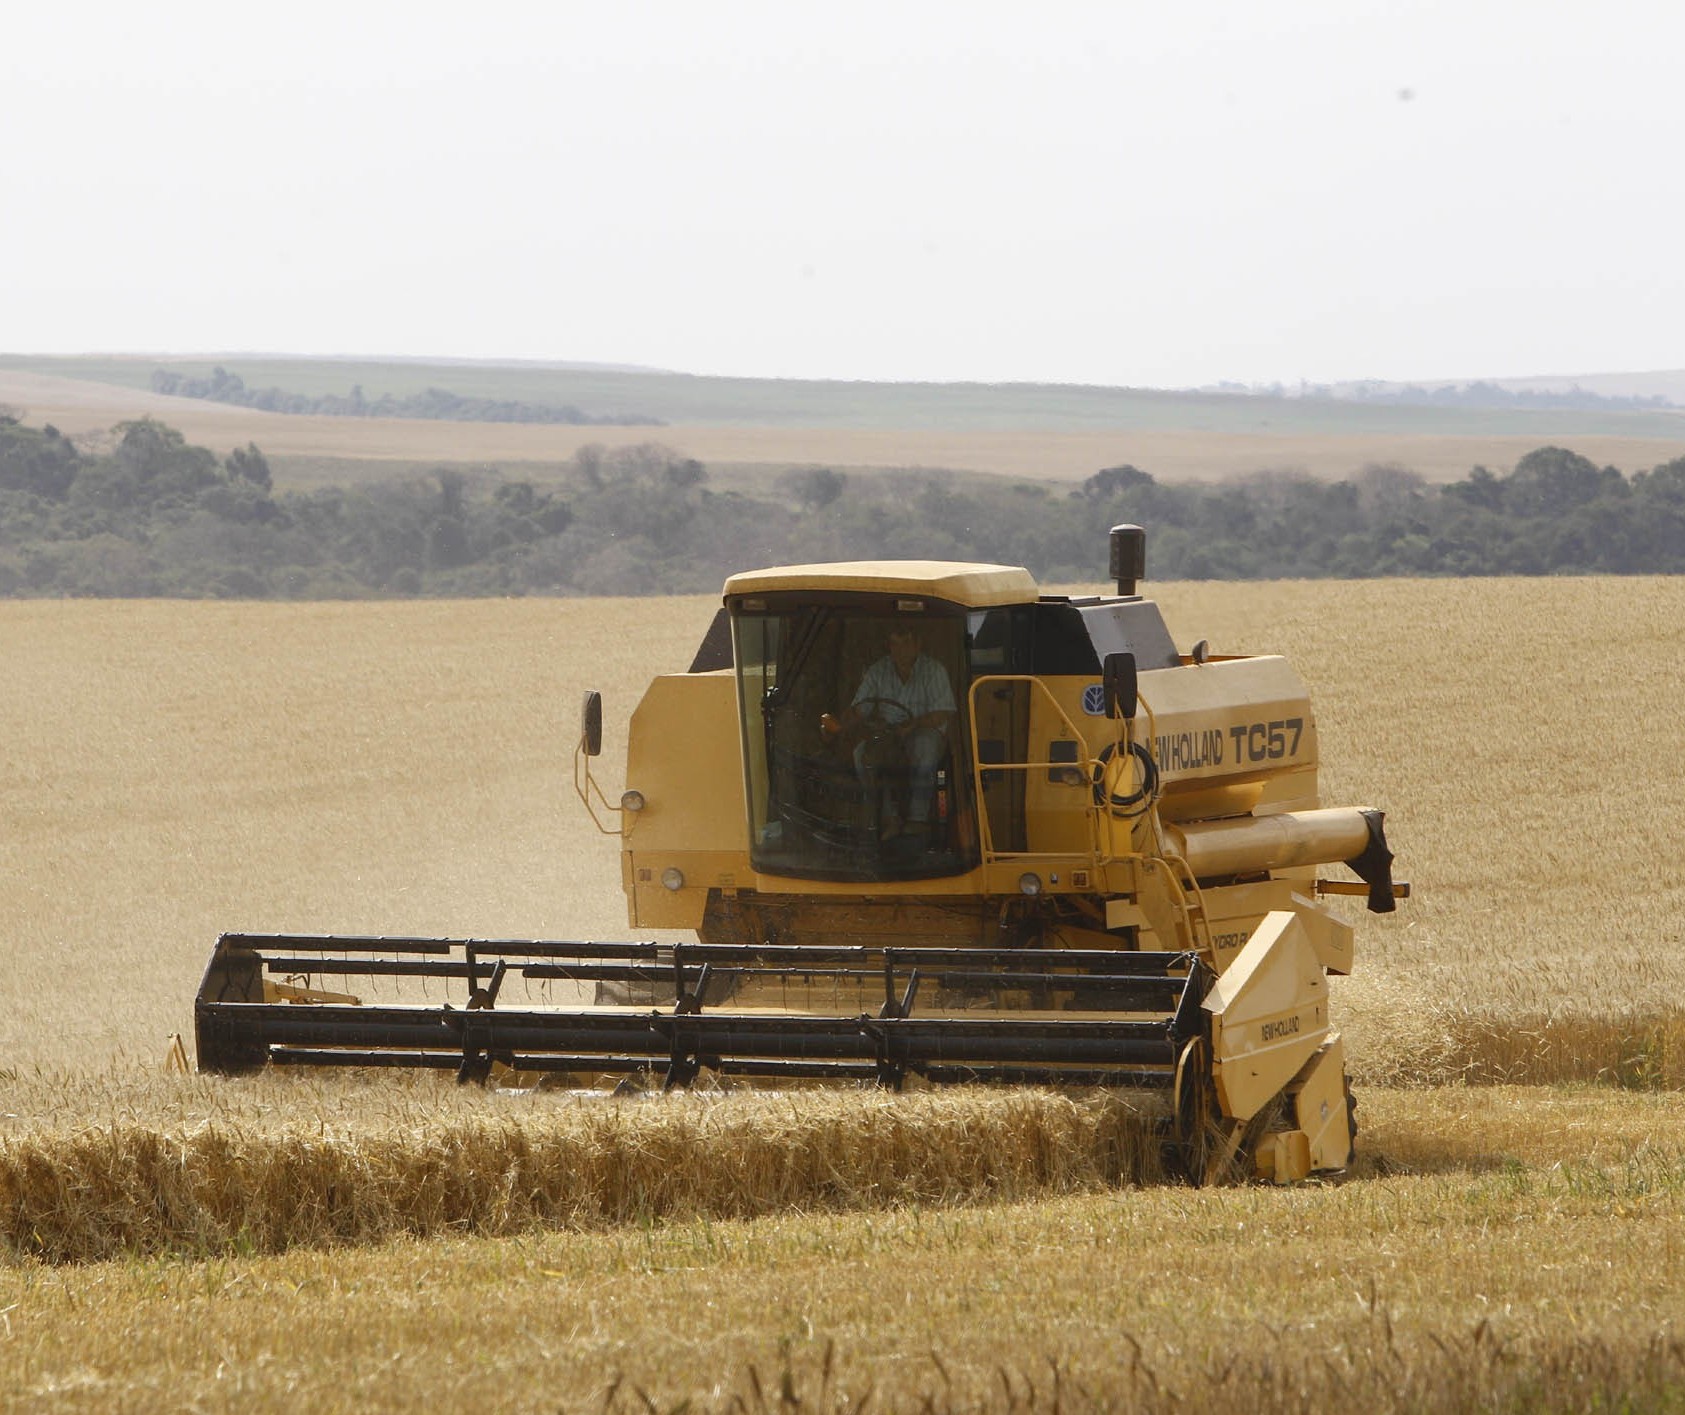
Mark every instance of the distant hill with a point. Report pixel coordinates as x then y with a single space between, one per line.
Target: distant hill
611 394
434 404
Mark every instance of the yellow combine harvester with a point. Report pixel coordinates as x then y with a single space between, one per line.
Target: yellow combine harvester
928 823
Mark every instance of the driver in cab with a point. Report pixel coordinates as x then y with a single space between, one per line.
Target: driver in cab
901 711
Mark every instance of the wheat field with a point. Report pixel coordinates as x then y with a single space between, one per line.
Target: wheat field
168 771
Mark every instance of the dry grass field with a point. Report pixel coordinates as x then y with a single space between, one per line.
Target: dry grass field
171 770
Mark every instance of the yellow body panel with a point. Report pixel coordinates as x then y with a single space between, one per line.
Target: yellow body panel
1320 1133
1236 910
683 757
1231 736
1269 1013
1056 798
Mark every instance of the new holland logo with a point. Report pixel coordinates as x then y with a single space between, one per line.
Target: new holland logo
1094 700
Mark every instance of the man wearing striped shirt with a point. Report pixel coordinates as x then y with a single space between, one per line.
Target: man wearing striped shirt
904 702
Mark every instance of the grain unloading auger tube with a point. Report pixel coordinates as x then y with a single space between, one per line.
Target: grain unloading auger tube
925 824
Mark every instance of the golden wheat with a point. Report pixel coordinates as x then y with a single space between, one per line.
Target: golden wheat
168 771
125 1189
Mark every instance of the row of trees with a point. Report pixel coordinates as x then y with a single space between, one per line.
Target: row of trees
1495 395
225 387
1556 512
154 515
1478 394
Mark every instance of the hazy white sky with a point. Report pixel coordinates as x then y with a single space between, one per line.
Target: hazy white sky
1150 194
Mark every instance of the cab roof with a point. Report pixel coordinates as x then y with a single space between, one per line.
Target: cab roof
957 581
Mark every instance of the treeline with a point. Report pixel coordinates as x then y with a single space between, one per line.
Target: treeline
1478 394
1555 513
153 515
225 387
1493 395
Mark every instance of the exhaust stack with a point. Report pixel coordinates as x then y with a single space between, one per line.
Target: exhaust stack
1129 557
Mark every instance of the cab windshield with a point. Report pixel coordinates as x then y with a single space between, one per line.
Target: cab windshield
854 737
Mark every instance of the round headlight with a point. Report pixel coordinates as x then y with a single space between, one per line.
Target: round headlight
631 800
1029 882
673 877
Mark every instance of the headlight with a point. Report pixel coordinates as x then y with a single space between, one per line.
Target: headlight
1029 882
673 877
631 800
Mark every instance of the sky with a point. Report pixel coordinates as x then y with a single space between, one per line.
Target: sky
1155 195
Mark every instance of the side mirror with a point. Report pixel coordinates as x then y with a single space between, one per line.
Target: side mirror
1119 678
591 723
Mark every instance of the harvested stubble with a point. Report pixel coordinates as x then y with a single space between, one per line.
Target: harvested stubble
127 1189
1376 1369
1517 1251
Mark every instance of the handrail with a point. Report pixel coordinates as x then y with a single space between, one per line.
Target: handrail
583 781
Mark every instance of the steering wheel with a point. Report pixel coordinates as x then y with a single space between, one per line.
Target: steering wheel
879 723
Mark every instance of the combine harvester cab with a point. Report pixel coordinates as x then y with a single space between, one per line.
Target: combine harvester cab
926 825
